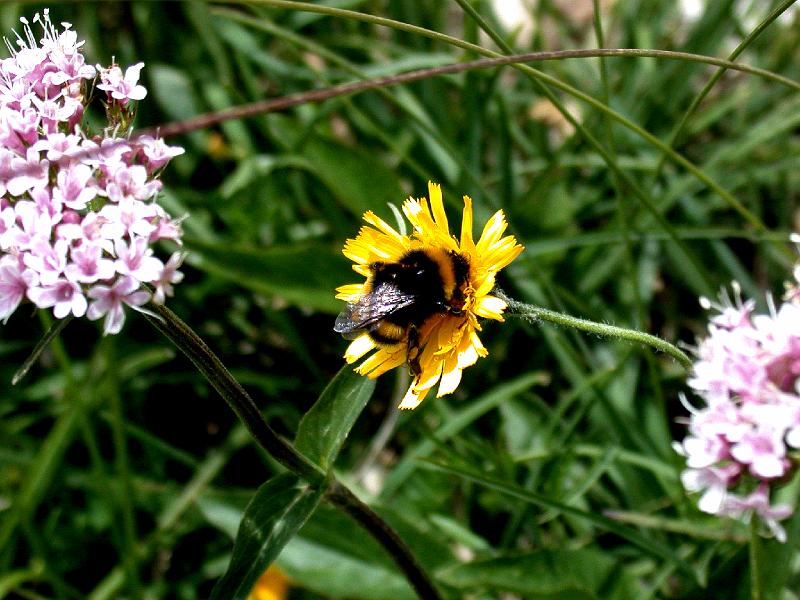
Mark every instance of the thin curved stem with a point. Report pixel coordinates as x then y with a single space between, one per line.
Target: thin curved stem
283 102
185 339
340 496
54 329
537 313
238 399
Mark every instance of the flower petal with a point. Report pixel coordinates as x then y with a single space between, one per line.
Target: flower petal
358 348
490 307
467 245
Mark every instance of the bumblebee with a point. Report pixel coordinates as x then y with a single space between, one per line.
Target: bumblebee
401 296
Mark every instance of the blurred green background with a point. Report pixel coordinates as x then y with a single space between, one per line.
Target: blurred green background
123 475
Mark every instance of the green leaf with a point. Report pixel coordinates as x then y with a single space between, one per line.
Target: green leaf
173 90
548 574
358 179
274 515
325 426
301 274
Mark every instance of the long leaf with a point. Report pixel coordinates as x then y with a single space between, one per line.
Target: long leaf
326 425
274 515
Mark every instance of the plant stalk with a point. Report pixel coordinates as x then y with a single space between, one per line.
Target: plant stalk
185 339
536 313
242 404
341 496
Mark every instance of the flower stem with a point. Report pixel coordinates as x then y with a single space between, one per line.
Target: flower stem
756 561
536 313
48 337
180 334
238 399
341 496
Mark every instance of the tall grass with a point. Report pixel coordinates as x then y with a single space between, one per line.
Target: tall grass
635 188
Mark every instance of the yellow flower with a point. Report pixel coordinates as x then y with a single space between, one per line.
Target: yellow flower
272 585
445 341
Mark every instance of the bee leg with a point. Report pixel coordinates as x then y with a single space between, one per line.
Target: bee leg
412 354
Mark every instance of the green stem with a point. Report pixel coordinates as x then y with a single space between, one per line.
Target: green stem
53 331
184 338
495 60
537 313
756 561
238 399
340 496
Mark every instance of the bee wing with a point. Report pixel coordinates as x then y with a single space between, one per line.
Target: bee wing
371 308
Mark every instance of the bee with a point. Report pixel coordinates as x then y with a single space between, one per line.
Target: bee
401 296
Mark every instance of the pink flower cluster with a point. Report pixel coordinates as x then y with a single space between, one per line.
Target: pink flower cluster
78 216
740 444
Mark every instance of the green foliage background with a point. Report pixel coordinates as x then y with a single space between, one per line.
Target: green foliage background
549 473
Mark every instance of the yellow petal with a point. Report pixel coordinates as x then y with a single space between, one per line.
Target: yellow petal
476 343
437 206
412 399
350 292
468 355
492 231
467 245
431 372
419 216
373 219
451 376
383 360
358 348
490 307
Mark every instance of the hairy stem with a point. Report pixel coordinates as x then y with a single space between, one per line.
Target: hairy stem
536 313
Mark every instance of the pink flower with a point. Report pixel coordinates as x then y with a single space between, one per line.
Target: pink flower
758 503
132 217
748 372
32 226
28 173
59 146
713 482
169 275
110 301
157 152
73 187
64 296
764 451
131 183
87 264
122 88
136 260
54 250
47 260
15 281
92 229
19 129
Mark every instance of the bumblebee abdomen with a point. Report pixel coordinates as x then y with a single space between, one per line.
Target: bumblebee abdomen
386 332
